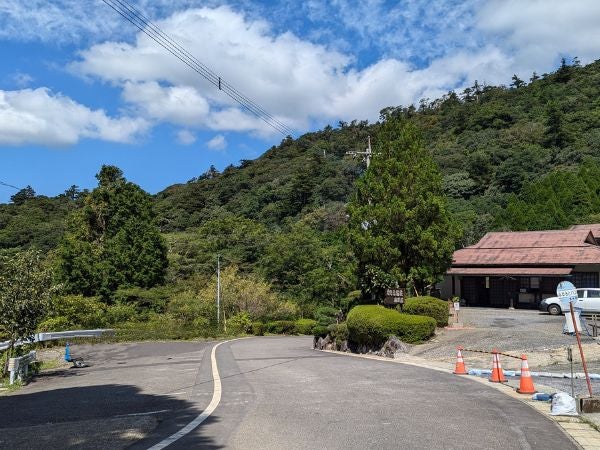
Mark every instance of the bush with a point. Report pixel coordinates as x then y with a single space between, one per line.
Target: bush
320 331
281 327
326 315
76 311
120 313
239 324
338 332
55 324
258 328
428 306
374 324
305 326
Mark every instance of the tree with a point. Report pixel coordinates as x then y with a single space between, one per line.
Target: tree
112 240
555 135
23 195
517 82
25 289
400 227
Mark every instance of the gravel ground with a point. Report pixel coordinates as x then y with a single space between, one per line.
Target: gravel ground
536 334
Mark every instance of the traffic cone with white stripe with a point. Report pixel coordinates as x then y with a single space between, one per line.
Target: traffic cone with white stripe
497 373
460 368
526 383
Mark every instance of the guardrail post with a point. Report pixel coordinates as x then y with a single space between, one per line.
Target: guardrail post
19 366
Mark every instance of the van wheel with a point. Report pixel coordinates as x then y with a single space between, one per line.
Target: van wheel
554 310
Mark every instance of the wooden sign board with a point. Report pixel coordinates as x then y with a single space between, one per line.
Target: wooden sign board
394 296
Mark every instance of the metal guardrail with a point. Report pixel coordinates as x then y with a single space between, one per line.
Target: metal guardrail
54 335
18 367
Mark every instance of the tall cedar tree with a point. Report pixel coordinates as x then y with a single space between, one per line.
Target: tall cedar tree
113 240
400 227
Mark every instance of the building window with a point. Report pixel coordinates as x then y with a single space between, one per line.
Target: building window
585 279
535 282
525 283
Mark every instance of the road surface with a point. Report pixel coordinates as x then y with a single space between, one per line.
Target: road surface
277 393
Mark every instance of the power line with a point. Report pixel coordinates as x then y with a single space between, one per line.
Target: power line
135 17
9 185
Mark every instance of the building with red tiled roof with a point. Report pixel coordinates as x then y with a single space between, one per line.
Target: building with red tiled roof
523 268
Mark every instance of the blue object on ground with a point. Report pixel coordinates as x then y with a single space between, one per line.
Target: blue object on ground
67 353
542 397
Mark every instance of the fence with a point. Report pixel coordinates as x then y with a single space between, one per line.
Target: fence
18 366
55 335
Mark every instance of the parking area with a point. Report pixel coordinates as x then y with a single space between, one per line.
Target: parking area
536 334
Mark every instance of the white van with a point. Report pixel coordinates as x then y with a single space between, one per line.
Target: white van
588 301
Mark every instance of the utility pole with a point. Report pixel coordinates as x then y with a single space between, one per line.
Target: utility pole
367 154
219 290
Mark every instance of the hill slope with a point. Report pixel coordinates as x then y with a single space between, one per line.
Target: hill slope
491 144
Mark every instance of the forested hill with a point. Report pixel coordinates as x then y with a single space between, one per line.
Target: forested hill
513 157
490 142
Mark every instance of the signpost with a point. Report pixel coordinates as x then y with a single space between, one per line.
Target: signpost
566 291
455 309
394 296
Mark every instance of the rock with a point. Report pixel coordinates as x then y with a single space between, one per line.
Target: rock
392 347
344 347
319 343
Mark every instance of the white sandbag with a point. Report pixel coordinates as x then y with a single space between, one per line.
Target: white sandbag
563 405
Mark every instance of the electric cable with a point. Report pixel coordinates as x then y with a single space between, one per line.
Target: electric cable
9 185
135 17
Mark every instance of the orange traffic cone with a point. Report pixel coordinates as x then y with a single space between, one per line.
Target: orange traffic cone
460 368
497 373
460 363
526 383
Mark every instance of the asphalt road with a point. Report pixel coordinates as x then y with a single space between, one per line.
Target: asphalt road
276 393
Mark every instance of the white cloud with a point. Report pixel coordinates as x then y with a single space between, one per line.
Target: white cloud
186 137
36 116
424 52
74 21
538 32
181 105
217 143
22 79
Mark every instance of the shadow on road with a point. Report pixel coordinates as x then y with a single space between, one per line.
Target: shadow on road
105 416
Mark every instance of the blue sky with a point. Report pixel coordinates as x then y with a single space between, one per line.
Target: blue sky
80 87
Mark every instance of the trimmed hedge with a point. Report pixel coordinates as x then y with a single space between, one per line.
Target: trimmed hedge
374 324
281 327
428 306
320 331
338 332
258 328
305 326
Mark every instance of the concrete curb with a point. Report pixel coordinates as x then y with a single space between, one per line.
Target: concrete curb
580 432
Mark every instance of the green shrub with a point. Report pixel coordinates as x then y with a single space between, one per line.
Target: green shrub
305 326
165 326
320 331
338 332
120 313
55 324
374 324
239 324
281 327
76 311
428 306
258 328
326 315
144 300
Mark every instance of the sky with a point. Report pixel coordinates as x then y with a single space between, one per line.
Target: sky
81 87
